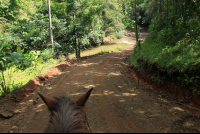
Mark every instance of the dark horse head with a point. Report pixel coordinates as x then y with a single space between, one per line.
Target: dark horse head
67 116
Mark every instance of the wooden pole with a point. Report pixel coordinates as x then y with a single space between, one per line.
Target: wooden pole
136 27
50 26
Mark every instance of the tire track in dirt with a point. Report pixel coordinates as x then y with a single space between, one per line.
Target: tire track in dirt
109 117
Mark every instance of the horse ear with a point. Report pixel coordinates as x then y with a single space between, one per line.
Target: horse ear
82 100
50 103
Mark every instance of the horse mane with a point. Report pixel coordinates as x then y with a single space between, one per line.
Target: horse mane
66 117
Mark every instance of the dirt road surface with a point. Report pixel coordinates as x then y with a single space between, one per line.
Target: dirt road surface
118 103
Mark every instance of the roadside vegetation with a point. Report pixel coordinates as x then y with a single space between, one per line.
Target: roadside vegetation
172 50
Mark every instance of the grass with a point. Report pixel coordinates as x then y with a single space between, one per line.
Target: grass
16 78
179 62
181 57
113 49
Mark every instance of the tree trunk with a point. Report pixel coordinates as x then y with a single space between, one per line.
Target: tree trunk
75 34
136 27
79 49
167 9
50 26
160 7
124 8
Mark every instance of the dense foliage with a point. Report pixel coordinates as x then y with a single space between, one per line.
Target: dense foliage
172 49
77 25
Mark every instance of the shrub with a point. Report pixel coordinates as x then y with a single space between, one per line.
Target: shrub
46 54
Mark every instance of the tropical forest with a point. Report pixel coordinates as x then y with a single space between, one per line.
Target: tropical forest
135 62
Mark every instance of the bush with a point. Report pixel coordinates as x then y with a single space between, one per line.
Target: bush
178 62
46 54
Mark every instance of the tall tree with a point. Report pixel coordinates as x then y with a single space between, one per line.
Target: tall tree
50 27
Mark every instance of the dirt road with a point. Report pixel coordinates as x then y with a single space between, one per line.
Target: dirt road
118 103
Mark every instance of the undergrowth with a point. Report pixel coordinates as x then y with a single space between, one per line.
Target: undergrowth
16 78
180 62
